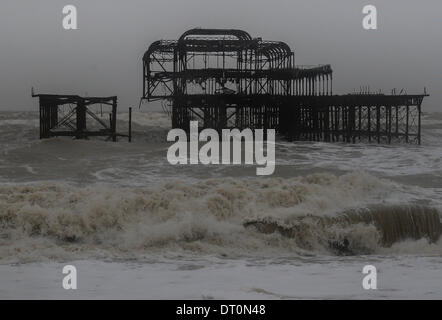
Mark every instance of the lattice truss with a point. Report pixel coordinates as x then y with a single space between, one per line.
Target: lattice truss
226 78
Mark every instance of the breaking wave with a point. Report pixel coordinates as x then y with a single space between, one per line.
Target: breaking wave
318 213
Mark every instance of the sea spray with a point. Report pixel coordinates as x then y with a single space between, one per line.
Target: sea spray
213 216
359 230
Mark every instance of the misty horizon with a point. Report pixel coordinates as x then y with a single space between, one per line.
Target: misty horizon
103 57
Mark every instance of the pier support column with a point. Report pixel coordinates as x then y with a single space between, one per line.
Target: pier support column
81 119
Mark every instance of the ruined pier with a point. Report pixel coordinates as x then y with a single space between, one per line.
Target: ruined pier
227 79
74 116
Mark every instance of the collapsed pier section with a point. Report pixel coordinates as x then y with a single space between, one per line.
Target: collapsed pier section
74 116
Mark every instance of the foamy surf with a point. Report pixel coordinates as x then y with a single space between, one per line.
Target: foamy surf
315 214
359 231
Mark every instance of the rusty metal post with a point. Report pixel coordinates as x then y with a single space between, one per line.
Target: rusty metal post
130 125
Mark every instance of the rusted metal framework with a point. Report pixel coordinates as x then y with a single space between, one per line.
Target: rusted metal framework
354 118
226 78
67 115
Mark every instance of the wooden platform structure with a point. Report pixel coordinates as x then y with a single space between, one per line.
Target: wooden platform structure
66 115
227 79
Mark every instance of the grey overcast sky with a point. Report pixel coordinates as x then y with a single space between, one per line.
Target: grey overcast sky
103 57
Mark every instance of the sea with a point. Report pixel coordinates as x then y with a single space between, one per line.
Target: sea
135 226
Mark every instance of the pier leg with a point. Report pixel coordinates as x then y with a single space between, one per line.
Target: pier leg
81 119
130 125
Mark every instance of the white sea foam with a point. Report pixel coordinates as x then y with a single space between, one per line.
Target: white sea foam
404 277
173 230
60 221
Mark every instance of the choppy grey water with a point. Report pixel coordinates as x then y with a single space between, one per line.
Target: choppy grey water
137 226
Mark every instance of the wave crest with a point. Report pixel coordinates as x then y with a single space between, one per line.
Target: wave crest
217 216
